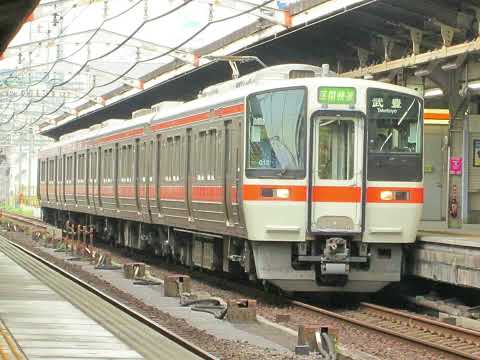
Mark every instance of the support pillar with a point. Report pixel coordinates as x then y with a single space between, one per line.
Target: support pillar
449 77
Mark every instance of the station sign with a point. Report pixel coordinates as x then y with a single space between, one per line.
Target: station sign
335 95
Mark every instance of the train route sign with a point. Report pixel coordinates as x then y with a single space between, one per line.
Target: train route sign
335 95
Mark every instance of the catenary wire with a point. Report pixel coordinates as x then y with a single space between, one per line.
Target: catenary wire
203 28
58 60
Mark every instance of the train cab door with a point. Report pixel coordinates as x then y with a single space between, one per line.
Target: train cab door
336 182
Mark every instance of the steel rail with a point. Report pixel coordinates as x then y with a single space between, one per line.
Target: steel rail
118 323
450 332
423 326
24 219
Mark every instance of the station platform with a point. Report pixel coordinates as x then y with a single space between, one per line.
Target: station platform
44 315
447 255
36 323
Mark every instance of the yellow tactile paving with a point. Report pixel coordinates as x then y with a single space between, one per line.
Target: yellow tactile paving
8 347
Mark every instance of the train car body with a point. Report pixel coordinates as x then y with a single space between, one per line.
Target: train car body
309 182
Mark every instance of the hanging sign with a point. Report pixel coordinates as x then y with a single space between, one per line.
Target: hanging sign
456 165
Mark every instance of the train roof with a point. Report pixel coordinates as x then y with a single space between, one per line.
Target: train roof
228 91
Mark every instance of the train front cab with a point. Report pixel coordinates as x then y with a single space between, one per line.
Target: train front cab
357 221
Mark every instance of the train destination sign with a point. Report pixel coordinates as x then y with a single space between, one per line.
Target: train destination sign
335 95
391 104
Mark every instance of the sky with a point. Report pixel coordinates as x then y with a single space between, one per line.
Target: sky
91 30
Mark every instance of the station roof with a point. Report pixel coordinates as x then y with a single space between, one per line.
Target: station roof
12 16
382 39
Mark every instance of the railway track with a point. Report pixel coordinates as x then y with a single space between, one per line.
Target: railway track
130 326
431 333
413 328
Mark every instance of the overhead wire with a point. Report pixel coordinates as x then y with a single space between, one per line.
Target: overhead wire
84 65
199 31
202 29
58 60
10 76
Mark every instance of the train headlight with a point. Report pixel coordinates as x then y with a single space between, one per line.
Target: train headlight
282 193
386 195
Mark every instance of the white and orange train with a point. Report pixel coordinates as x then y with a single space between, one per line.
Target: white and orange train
298 178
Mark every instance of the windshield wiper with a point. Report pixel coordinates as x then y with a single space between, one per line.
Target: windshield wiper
283 171
405 114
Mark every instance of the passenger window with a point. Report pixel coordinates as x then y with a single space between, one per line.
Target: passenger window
169 160
81 168
202 156
142 157
51 170
105 166
42 171
61 169
129 174
177 158
213 155
93 172
336 144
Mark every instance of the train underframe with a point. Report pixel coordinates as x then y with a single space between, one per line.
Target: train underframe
322 264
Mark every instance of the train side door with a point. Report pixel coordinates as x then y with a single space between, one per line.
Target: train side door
55 187
92 177
145 179
232 172
336 180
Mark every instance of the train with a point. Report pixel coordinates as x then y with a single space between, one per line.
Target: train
290 176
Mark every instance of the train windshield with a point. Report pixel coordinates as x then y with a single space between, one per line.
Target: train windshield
394 136
276 137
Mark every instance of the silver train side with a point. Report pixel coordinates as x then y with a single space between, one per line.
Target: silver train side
312 183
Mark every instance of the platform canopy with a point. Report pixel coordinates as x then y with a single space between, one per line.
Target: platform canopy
74 56
80 62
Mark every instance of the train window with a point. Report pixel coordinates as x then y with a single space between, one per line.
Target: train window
81 168
107 165
276 139
335 151
123 163
51 170
42 171
177 158
150 158
395 123
61 167
212 155
68 177
110 165
142 158
202 156
129 163
93 167
169 159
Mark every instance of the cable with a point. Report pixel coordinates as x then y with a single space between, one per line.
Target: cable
253 46
203 28
95 32
60 33
47 74
186 2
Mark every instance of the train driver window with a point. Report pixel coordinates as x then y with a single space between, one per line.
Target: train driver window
276 133
335 151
